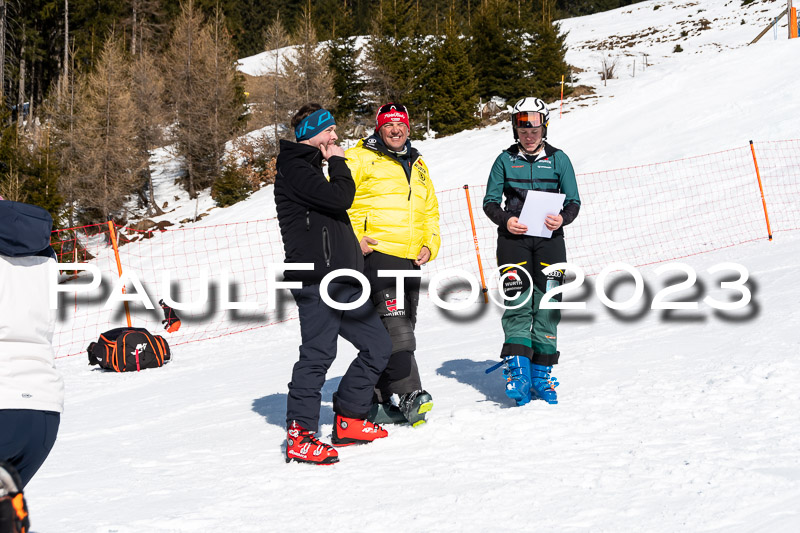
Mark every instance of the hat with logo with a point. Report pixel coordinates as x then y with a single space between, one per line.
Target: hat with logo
391 113
313 124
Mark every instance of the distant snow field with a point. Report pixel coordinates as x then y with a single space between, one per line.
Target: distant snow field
667 421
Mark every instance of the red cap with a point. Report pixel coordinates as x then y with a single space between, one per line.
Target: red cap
391 113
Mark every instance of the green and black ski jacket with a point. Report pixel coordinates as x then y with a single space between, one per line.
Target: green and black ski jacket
514 173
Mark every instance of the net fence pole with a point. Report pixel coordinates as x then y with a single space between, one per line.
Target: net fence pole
761 188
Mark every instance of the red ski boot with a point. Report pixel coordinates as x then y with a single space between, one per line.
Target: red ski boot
303 447
349 431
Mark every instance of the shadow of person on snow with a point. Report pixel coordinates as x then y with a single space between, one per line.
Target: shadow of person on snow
273 406
473 373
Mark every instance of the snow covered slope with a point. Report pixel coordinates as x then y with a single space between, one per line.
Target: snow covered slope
717 94
667 421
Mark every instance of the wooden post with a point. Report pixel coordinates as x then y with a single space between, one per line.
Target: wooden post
761 188
765 30
113 232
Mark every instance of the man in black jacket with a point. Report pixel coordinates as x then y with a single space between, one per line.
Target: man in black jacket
312 214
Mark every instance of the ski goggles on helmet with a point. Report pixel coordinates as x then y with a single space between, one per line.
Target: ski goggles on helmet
526 119
388 108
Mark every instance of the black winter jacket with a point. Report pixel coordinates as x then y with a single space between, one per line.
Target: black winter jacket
312 213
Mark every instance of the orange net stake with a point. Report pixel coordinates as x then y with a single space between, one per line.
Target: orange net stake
484 290
761 188
561 107
113 233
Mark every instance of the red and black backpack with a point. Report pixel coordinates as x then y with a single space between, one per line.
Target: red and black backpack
129 349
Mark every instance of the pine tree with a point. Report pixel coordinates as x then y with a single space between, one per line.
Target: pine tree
61 114
498 50
29 170
333 19
3 25
231 187
269 92
144 25
396 54
308 74
547 60
516 50
185 91
347 85
205 93
11 177
344 60
108 162
225 104
41 184
452 92
147 91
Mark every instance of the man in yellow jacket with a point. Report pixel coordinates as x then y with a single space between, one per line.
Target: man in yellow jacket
396 219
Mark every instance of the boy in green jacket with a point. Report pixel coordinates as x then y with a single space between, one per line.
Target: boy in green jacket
529 351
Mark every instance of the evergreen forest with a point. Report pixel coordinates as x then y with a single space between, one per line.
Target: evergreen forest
89 88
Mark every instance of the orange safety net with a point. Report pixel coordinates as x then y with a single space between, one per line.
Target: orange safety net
639 215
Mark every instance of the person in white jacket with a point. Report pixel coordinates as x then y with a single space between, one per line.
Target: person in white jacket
31 390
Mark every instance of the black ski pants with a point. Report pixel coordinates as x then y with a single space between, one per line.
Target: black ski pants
26 438
529 330
320 327
402 374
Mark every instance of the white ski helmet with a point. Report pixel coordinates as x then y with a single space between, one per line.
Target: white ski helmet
530 112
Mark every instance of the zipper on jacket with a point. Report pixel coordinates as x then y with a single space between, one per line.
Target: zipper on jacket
411 173
308 219
533 183
326 246
410 213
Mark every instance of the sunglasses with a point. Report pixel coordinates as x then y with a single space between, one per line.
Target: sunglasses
528 120
388 108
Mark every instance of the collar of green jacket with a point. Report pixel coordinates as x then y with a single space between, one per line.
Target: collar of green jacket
515 151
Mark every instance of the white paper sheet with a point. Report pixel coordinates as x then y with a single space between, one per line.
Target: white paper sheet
539 204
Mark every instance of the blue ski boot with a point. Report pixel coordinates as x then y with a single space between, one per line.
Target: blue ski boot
543 386
517 371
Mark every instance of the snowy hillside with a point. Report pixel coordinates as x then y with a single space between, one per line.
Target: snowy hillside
717 94
667 420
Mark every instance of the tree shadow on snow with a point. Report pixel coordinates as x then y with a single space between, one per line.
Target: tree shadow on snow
473 373
273 406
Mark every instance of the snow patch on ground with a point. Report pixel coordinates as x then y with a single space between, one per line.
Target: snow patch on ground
667 421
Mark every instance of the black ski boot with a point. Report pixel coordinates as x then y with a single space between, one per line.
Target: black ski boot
386 413
414 405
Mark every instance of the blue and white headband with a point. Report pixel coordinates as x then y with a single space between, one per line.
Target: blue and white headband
316 122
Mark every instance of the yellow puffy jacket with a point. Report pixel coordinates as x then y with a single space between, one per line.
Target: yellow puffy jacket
401 214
